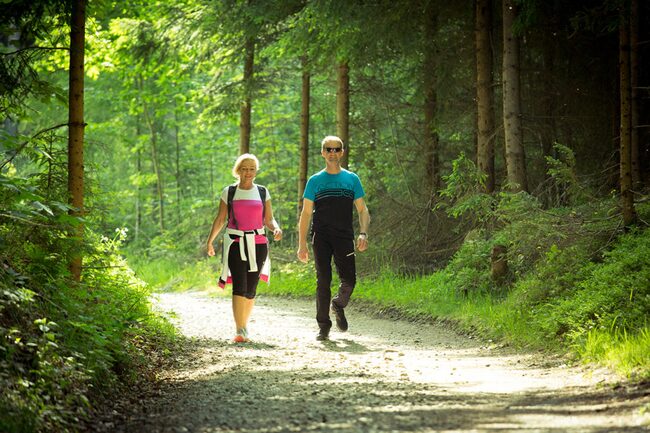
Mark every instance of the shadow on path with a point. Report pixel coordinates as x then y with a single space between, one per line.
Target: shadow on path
374 381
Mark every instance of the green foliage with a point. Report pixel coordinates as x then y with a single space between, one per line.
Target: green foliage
463 188
61 344
563 172
292 279
470 266
615 296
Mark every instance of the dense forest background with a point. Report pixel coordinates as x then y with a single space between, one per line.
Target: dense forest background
165 85
503 142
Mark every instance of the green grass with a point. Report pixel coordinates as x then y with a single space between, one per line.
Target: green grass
626 353
170 275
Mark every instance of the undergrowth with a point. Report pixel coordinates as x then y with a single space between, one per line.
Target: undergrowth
64 346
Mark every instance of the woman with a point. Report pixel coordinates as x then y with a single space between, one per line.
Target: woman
247 209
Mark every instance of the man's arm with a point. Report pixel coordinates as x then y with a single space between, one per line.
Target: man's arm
303 227
364 223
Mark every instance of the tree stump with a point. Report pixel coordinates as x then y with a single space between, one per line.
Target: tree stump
499 263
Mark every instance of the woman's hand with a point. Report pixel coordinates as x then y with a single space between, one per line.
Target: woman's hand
277 234
210 250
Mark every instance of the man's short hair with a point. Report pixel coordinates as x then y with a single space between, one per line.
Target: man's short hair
330 139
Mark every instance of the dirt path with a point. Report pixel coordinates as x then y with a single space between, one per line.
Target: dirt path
380 376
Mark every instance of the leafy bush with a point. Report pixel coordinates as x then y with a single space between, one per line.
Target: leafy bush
615 296
63 344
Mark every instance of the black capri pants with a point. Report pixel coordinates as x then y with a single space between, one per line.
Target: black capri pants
244 283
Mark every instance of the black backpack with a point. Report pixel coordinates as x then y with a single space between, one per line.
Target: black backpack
231 194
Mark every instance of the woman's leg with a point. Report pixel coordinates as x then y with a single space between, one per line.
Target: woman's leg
247 310
252 279
238 272
240 312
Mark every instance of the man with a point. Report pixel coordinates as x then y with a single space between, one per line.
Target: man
328 197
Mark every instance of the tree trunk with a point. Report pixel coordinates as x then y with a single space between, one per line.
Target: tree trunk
138 210
627 198
499 263
178 167
485 113
155 161
211 175
635 162
552 196
304 132
343 109
515 158
76 126
245 109
431 139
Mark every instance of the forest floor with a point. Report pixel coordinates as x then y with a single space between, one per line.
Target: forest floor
383 375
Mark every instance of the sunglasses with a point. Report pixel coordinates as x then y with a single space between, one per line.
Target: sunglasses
333 149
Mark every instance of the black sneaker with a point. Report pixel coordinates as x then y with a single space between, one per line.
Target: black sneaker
323 335
341 321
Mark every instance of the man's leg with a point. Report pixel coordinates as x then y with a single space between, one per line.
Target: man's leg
323 263
345 262
346 267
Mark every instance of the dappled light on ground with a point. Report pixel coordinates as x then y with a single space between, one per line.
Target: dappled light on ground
381 376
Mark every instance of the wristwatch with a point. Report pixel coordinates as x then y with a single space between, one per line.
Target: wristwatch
365 235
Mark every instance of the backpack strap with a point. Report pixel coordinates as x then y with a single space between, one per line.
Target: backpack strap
262 191
231 214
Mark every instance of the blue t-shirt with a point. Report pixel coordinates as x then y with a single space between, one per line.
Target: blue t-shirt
333 196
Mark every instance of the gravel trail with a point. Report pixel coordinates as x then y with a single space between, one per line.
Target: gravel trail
381 376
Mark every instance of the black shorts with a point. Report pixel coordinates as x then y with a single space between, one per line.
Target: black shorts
244 283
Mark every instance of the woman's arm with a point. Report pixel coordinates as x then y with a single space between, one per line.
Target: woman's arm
217 225
270 222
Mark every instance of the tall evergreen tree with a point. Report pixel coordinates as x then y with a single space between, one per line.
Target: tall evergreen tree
484 94
343 109
430 84
247 98
304 130
76 124
515 159
627 195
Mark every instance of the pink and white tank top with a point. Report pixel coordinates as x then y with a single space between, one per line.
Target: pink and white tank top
247 206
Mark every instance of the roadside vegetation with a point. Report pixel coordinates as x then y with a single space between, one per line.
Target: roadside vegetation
576 283
65 347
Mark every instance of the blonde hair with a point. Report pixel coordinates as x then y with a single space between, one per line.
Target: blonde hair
244 157
331 139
